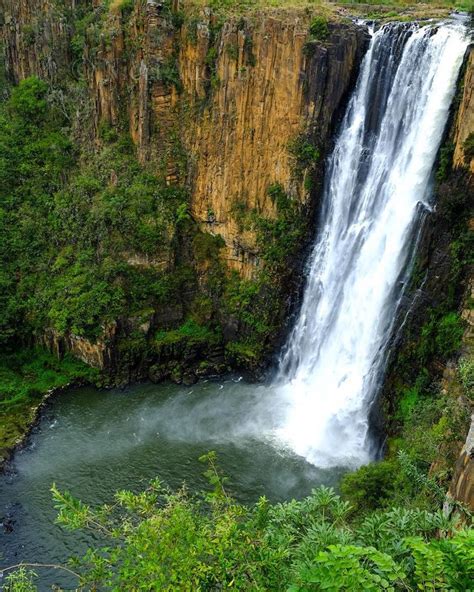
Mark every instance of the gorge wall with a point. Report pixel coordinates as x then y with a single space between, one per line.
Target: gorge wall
173 243
436 335
235 111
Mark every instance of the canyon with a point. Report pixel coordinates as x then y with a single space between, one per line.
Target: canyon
177 229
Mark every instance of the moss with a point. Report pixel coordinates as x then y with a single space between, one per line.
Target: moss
279 239
32 372
243 354
441 336
232 50
190 333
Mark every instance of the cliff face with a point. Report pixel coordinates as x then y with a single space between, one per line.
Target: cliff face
246 90
426 358
220 107
269 92
465 119
37 39
462 486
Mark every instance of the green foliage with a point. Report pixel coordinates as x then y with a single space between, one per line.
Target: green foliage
441 336
255 305
319 29
168 541
420 460
258 305
207 246
34 157
28 100
232 50
318 32
25 377
169 73
466 370
21 580
190 333
445 162
280 238
304 153
408 401
347 567
32 372
68 231
371 486
126 5
468 147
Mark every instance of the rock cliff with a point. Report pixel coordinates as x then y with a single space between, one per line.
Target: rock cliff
465 119
462 486
224 107
423 360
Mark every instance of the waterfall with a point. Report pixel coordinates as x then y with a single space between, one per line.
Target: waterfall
378 182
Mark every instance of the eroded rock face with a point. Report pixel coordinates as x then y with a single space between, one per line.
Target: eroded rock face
36 39
267 93
247 90
97 354
462 486
210 106
465 119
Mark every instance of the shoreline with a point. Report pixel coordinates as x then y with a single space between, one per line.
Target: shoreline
35 417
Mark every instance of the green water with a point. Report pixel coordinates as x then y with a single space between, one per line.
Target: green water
94 442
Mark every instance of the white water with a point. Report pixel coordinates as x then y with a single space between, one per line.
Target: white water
378 182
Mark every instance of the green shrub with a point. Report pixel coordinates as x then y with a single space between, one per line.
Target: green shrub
189 332
466 371
441 336
445 162
449 334
319 29
279 239
29 373
207 246
371 486
232 50
468 147
309 48
28 99
159 540
125 6
408 401
304 153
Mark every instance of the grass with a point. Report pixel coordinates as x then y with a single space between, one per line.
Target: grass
237 7
329 8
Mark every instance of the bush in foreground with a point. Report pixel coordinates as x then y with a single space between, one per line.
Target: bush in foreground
158 540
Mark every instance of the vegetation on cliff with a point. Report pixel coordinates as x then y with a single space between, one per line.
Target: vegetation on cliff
381 6
93 239
26 376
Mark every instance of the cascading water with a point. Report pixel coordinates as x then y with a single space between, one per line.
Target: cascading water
378 183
